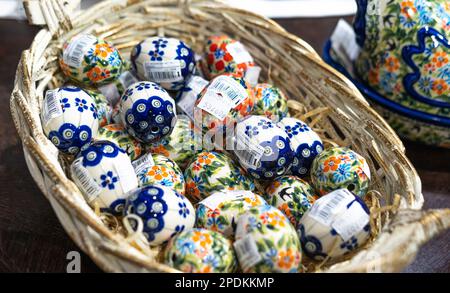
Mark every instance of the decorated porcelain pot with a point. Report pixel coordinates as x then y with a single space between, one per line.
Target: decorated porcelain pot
90 60
263 148
104 174
213 171
155 169
167 61
220 211
337 168
405 63
336 224
147 111
226 100
305 143
180 145
164 212
270 101
292 196
117 134
69 118
200 251
266 242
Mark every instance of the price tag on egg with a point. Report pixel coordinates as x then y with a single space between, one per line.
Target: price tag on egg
239 53
77 48
351 221
247 251
91 190
163 71
248 152
325 208
143 162
52 106
193 88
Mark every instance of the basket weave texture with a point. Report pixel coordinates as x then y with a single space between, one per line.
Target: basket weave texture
286 61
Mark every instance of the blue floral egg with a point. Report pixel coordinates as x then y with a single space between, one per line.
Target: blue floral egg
164 212
147 111
104 174
305 142
263 149
336 224
69 118
166 61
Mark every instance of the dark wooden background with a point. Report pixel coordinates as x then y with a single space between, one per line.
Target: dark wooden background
31 238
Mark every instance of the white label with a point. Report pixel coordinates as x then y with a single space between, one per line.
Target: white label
214 200
111 92
252 75
143 162
230 89
163 71
247 252
188 98
351 221
215 104
127 79
344 43
326 207
239 53
74 53
248 152
52 106
85 182
127 178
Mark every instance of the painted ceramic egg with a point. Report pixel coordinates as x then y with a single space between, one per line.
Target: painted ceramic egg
117 134
69 118
147 111
213 171
292 196
226 100
337 223
163 211
220 211
90 60
339 167
179 146
226 55
266 242
166 61
188 95
263 149
115 89
305 142
104 174
270 101
200 251
104 110
159 170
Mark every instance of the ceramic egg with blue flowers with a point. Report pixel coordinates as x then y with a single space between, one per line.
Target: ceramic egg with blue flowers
337 224
270 101
266 242
339 167
163 211
200 251
167 61
104 174
160 170
90 60
213 171
147 111
220 211
291 195
69 118
118 134
262 148
305 142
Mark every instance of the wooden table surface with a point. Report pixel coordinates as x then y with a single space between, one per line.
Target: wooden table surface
31 238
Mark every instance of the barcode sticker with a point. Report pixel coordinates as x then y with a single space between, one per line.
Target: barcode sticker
326 207
127 178
215 104
252 75
91 190
163 71
344 43
127 78
247 252
248 152
215 199
239 53
111 93
74 53
143 162
51 107
229 89
188 98
351 222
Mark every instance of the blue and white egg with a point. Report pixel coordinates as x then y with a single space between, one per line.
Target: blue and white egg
262 148
164 212
167 61
69 118
147 111
304 141
104 174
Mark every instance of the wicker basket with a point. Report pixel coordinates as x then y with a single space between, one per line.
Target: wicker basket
286 60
